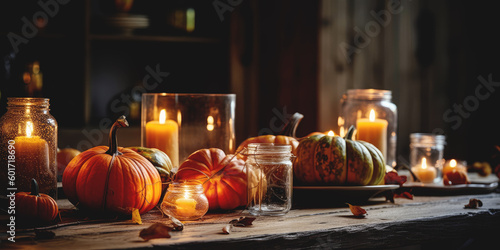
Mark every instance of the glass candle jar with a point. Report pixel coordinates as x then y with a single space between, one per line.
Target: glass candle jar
29 136
270 178
426 156
180 124
185 201
375 118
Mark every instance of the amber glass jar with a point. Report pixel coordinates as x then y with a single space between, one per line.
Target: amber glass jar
185 201
28 133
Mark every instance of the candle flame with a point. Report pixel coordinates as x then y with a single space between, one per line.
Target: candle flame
210 123
453 163
372 115
330 133
29 128
163 116
424 163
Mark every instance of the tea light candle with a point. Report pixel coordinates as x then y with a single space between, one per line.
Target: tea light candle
426 174
186 206
453 165
374 131
164 135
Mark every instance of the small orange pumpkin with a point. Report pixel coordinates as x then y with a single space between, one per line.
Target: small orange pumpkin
223 176
455 177
285 136
34 206
276 139
112 179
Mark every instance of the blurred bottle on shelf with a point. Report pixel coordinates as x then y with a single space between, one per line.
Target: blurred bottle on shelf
33 80
182 18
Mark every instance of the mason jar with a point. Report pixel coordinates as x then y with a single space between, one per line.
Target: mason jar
426 156
374 115
270 178
28 134
185 201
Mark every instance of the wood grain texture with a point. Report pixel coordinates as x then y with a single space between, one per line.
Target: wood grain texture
407 222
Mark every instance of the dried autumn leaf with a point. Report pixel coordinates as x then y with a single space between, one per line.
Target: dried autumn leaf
175 224
242 221
394 178
357 210
406 195
227 229
157 230
474 203
136 216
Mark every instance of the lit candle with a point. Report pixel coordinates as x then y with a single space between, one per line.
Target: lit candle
164 135
453 165
185 207
330 133
426 174
32 159
374 131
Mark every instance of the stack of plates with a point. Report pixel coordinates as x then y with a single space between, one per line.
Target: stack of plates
127 23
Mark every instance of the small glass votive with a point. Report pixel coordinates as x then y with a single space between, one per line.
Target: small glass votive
185 201
426 156
29 134
269 173
454 164
179 124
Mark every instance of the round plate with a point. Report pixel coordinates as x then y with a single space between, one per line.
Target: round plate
438 189
332 195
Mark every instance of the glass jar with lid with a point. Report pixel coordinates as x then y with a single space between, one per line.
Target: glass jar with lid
29 134
374 115
270 177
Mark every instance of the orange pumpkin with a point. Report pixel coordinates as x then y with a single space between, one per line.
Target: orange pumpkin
276 139
223 176
34 206
455 177
112 179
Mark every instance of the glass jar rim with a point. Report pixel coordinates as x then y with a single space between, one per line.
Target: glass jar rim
370 94
191 94
268 148
188 185
427 138
28 101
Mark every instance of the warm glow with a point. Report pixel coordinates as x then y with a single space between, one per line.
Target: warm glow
210 123
453 163
179 117
330 133
163 116
372 115
29 128
424 164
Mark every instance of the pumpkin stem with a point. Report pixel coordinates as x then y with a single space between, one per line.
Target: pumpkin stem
291 125
121 122
350 133
34 188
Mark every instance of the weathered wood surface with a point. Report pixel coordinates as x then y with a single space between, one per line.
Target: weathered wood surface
406 222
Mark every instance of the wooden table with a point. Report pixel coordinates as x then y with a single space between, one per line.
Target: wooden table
426 221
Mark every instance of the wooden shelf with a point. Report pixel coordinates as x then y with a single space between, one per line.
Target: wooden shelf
153 38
